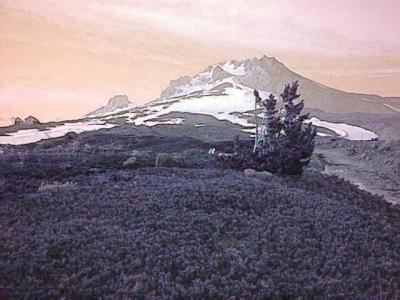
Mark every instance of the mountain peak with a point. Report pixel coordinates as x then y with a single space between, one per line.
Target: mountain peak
219 73
266 57
267 62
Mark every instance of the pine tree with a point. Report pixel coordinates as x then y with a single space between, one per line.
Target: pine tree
299 139
284 145
287 145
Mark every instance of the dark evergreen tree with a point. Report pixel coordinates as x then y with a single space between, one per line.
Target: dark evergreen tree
285 144
298 139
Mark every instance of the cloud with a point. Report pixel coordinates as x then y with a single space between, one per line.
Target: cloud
346 28
273 25
55 34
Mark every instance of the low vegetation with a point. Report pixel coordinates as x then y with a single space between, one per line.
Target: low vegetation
80 225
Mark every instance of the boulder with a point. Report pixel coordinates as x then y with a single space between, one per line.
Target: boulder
139 159
71 135
254 173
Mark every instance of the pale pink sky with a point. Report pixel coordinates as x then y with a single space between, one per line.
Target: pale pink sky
61 59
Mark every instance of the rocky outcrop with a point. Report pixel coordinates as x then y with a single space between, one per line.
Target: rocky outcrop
71 135
31 120
219 73
172 88
118 102
17 121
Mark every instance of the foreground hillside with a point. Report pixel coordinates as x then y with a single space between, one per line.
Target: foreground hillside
76 223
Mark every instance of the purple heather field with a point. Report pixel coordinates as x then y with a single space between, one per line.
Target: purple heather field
78 222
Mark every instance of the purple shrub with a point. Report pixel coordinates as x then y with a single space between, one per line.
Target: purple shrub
182 233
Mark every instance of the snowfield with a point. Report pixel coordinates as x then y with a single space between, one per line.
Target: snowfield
240 100
28 136
220 107
347 131
175 121
223 108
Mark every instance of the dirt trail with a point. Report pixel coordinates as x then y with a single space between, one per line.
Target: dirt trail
365 174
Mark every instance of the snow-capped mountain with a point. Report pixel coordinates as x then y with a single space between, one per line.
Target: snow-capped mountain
114 105
268 75
225 92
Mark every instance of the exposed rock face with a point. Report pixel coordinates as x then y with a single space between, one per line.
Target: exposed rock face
180 81
119 101
219 74
115 103
31 120
171 89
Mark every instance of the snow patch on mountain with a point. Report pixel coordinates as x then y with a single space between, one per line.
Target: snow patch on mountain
221 107
347 131
225 91
175 121
28 136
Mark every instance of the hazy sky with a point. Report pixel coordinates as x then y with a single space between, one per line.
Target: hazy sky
60 59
